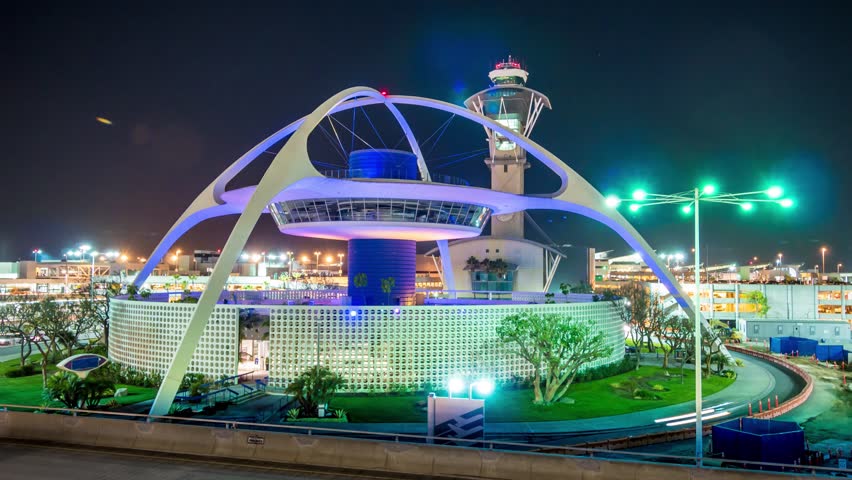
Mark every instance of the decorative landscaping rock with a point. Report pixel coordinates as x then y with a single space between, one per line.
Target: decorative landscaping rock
121 392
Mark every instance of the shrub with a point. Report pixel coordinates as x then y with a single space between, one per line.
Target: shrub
658 388
729 373
25 371
642 394
293 413
340 413
315 386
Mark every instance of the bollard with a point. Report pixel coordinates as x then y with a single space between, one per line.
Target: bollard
760 406
749 410
768 404
776 401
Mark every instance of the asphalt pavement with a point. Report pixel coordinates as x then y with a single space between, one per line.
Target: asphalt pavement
37 462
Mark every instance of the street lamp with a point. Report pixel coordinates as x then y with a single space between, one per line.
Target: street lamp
484 387
823 258
689 202
838 267
94 254
780 258
317 253
36 253
340 263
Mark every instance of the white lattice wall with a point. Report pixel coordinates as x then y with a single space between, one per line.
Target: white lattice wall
377 348
145 335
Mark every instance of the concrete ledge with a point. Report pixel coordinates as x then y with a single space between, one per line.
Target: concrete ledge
341 453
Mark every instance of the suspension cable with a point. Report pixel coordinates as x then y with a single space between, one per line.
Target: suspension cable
374 127
353 133
335 134
331 141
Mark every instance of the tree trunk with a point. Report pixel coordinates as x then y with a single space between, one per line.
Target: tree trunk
665 359
29 352
106 336
537 387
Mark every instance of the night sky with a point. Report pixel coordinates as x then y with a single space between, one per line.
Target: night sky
663 97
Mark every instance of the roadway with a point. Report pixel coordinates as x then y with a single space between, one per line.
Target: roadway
49 462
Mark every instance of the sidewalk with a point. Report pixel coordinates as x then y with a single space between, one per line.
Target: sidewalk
753 382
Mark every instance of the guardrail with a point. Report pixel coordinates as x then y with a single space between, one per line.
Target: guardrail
528 297
391 174
42 428
791 403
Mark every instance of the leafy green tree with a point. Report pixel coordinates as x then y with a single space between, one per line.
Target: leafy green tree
315 386
633 311
75 392
96 313
555 345
387 286
677 335
14 323
360 280
757 298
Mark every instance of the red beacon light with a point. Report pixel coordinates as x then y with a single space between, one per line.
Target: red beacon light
384 93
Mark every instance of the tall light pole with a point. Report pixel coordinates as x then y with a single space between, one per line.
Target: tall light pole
780 259
823 259
36 253
340 263
290 262
838 267
690 201
317 253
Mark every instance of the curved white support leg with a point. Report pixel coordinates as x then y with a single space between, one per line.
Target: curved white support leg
189 219
289 165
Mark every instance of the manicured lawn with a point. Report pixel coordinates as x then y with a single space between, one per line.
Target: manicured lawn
27 390
605 397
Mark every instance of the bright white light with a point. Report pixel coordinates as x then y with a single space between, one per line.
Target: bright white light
774 192
679 256
455 385
612 201
692 420
85 248
255 257
352 313
282 256
746 206
244 256
271 257
634 207
626 330
640 194
484 386
681 417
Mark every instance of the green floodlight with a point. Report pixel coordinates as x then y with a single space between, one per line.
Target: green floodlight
634 207
775 192
686 209
640 194
612 201
786 203
747 206
709 189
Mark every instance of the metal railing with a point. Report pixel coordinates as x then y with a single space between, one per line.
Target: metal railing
565 451
526 297
391 174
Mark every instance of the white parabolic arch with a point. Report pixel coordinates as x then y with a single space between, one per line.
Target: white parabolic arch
292 163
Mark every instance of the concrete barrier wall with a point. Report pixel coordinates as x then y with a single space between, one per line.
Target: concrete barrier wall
337 452
791 403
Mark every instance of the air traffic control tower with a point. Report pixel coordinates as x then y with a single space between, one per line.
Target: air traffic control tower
531 265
